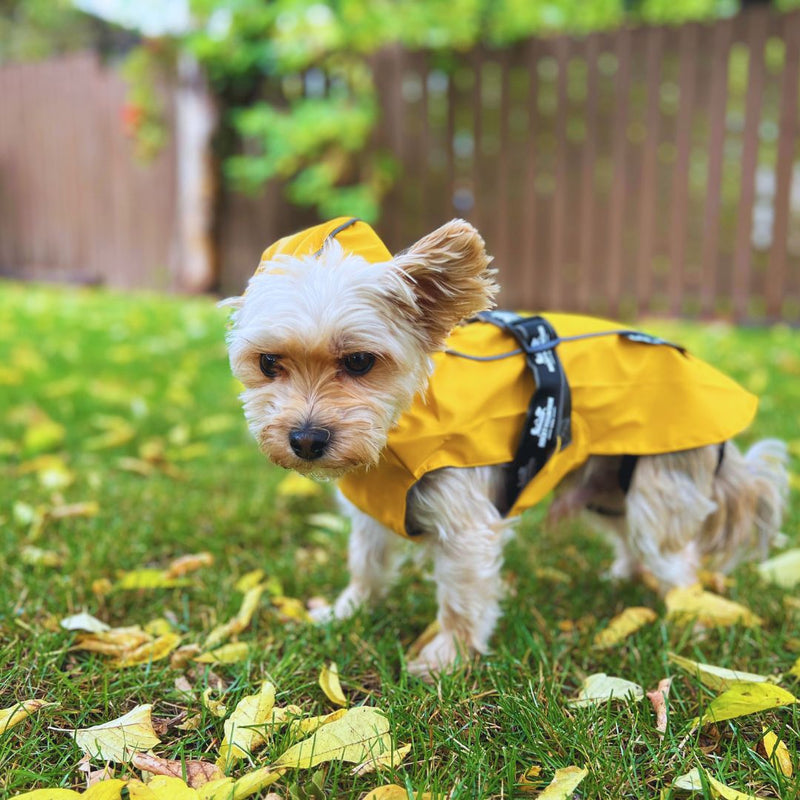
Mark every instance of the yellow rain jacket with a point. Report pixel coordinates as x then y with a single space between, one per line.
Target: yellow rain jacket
627 398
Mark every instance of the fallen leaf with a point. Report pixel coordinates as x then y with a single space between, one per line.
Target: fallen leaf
391 760
84 622
658 698
118 739
42 434
13 715
692 604
716 677
89 508
148 579
37 557
247 785
238 623
329 683
249 580
564 783
777 753
195 773
189 563
783 569
692 782
150 651
599 688
241 737
745 698
334 523
389 792
115 642
795 670
297 486
158 627
305 726
361 733
227 654
290 608
216 707
623 625
428 635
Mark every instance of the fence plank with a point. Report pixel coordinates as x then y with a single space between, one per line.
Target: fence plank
558 278
777 273
756 29
529 218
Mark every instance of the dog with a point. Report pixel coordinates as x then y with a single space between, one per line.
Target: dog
371 370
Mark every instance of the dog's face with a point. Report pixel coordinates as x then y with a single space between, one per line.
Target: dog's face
332 349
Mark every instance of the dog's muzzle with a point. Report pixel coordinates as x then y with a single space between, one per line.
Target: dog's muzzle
309 443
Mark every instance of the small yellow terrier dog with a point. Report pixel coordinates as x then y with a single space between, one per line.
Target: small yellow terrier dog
442 421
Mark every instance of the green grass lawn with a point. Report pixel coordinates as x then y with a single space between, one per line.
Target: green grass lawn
112 383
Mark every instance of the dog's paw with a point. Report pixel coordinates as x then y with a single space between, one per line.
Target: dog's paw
321 613
438 656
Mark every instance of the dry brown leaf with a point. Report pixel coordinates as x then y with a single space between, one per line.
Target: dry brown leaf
658 698
189 563
116 642
194 773
183 655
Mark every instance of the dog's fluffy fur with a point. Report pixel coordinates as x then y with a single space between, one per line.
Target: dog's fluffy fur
311 312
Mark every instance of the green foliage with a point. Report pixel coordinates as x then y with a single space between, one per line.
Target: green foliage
36 29
293 77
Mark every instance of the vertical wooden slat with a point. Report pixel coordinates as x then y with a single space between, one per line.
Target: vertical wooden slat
556 278
776 283
529 293
756 35
720 54
501 217
648 187
477 136
587 254
687 51
617 204
450 152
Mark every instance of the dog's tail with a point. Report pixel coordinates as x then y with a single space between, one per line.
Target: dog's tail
751 492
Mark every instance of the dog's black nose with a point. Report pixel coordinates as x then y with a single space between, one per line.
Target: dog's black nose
309 443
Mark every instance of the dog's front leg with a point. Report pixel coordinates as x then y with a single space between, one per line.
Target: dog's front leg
467 537
371 561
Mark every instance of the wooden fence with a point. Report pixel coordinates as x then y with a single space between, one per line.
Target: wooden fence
647 170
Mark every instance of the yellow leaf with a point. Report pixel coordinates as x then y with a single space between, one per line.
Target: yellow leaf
795 670
361 733
249 580
239 622
389 792
110 790
189 563
9 717
89 508
115 642
564 783
415 648
149 579
158 627
216 707
716 677
745 698
692 782
227 654
623 625
295 485
693 604
49 794
241 738
120 738
599 688
136 790
253 782
42 435
308 725
329 683
151 651
777 753
783 569
291 608
196 773
387 760
37 557
114 437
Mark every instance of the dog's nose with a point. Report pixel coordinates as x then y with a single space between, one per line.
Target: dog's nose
309 443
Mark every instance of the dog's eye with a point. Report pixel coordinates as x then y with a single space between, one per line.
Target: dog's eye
269 364
358 363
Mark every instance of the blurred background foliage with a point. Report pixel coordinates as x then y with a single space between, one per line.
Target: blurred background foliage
292 79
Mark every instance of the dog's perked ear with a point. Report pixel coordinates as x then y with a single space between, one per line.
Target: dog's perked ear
449 274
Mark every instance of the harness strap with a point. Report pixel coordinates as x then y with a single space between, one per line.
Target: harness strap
547 422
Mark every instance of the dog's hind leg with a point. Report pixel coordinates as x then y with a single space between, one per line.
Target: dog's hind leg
667 505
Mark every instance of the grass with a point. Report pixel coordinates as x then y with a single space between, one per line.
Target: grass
95 362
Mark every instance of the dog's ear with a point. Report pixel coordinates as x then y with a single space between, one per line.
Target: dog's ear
449 276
